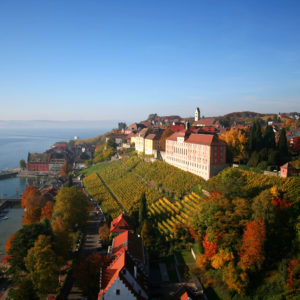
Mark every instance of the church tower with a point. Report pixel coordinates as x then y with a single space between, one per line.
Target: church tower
197 114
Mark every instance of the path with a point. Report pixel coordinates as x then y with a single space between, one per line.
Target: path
111 193
91 244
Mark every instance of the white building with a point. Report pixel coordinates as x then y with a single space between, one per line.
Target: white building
200 154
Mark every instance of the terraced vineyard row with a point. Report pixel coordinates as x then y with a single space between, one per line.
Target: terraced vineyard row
166 214
100 193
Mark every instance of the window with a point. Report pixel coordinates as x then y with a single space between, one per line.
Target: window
118 292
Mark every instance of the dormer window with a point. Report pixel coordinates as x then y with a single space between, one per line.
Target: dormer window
117 292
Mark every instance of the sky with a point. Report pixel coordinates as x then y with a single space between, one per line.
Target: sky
122 60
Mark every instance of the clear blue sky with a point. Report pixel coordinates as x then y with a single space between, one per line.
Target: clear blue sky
100 60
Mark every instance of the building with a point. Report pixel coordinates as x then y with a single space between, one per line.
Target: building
57 161
139 140
288 170
126 277
200 154
197 114
120 224
207 122
38 162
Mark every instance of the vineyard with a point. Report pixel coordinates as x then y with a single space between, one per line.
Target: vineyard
100 193
167 214
129 178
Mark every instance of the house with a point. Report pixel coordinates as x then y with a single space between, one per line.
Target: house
57 161
200 154
139 140
118 138
152 144
207 122
38 162
186 293
126 277
120 224
288 170
123 279
134 128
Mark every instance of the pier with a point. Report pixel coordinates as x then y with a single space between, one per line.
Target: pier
9 173
4 203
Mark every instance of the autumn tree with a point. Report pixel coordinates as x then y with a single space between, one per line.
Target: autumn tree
62 239
162 141
24 240
72 205
42 267
251 253
46 211
8 242
29 192
34 205
104 233
236 141
25 290
87 271
235 280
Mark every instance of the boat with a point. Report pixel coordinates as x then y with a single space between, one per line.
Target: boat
5 218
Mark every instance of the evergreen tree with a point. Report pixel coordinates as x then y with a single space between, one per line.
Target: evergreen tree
143 209
252 140
258 137
269 138
282 144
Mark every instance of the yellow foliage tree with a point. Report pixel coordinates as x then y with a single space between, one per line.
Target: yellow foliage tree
202 262
234 280
236 141
219 259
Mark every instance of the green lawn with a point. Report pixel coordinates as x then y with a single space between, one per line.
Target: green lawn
95 168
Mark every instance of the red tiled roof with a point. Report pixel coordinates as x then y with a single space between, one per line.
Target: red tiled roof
120 224
205 121
131 242
193 138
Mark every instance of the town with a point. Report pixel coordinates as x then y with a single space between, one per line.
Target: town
136 237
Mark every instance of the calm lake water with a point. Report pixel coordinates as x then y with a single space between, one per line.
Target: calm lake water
14 146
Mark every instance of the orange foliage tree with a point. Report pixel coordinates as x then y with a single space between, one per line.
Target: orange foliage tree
30 192
251 252
291 280
210 244
87 272
47 210
34 207
8 242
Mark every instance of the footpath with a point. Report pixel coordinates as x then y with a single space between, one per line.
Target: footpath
90 245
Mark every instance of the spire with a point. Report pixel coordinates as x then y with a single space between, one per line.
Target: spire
197 114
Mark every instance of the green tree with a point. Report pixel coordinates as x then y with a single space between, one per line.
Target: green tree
24 240
283 147
86 273
269 138
256 139
72 205
146 234
142 209
42 266
25 291
22 164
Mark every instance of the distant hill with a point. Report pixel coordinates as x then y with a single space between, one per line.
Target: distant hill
244 114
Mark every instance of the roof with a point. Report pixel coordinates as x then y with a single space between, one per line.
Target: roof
143 132
131 242
38 157
194 138
206 122
116 269
185 293
120 224
151 136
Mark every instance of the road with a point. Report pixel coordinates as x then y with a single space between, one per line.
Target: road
91 243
